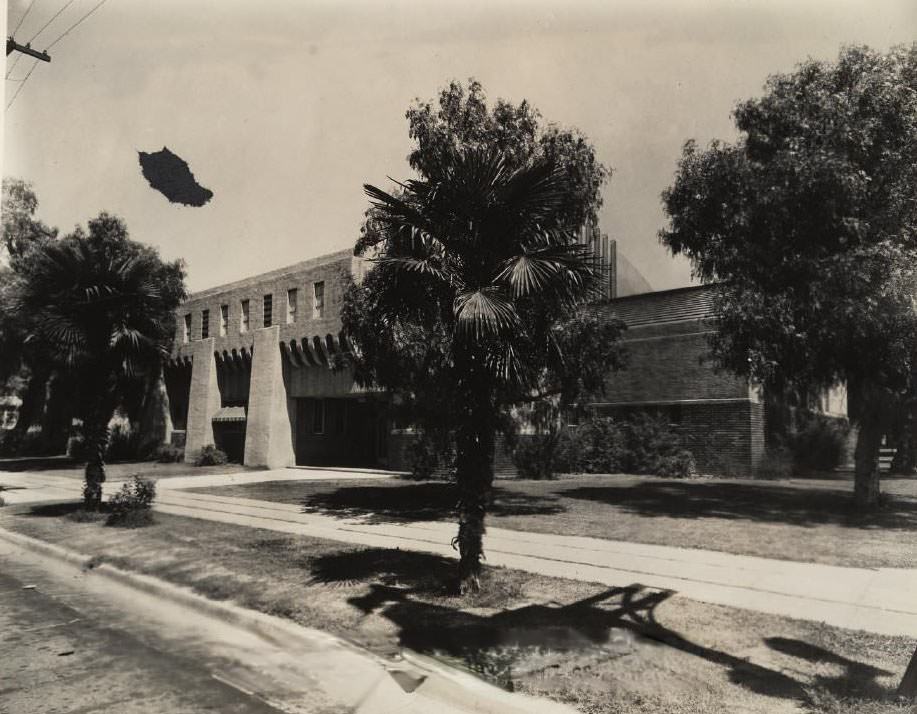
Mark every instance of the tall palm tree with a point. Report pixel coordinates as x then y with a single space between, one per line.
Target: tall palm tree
477 272
101 308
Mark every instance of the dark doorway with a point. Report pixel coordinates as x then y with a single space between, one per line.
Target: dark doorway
337 432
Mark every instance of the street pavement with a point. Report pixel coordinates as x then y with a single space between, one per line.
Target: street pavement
77 639
879 600
68 646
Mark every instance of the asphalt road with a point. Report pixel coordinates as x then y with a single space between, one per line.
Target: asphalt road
69 643
57 655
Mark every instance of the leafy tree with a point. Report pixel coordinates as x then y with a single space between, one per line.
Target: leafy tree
807 227
20 371
20 227
475 304
101 307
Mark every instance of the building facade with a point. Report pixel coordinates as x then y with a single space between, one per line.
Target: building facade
721 418
253 372
257 371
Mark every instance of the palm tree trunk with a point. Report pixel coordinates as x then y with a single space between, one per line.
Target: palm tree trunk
475 475
474 458
96 436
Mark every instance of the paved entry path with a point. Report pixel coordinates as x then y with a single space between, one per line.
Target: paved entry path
880 600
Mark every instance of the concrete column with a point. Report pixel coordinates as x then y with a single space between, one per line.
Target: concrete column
204 400
268 431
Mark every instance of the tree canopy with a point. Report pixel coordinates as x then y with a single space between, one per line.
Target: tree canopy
20 227
807 226
475 303
101 308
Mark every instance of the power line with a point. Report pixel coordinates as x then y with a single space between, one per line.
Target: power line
74 25
22 19
22 84
53 18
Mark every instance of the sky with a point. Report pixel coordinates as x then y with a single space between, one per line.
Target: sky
284 108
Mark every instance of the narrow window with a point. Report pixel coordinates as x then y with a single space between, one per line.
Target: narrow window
224 320
291 305
318 299
186 331
268 310
243 321
205 324
318 416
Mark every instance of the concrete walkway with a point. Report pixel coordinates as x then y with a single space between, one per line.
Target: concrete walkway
877 600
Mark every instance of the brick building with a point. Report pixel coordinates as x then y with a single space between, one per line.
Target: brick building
251 372
720 416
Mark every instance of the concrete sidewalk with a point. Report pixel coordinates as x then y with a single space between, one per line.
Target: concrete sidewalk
876 600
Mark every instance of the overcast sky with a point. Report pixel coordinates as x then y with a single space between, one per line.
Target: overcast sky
284 109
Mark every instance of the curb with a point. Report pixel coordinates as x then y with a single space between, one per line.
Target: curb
437 681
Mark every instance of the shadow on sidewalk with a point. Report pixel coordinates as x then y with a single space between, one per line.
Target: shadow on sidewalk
429 501
757 502
409 590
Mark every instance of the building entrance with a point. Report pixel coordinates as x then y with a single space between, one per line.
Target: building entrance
340 432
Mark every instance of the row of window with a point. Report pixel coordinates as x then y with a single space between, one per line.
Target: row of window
267 312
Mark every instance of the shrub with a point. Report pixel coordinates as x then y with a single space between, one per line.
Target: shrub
132 505
9 442
595 446
169 454
76 448
776 463
536 456
423 457
819 443
210 455
430 455
123 443
17 443
640 444
681 464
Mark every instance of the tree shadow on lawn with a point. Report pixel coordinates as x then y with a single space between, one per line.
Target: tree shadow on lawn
757 502
37 463
410 590
431 501
858 679
55 509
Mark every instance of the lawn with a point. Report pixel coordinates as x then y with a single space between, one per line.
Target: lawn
604 650
63 466
806 520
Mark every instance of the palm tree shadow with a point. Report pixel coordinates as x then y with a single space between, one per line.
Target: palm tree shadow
857 679
429 501
604 625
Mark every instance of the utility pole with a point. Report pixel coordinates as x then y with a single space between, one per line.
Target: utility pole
26 49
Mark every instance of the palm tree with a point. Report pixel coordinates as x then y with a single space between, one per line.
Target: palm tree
476 274
101 308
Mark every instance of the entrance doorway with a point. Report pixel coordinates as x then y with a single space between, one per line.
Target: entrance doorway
339 432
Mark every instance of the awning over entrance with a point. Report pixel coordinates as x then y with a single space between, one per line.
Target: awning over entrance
229 414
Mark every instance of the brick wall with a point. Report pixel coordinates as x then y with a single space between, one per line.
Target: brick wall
670 365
